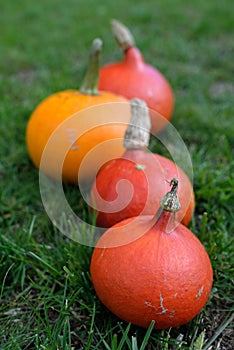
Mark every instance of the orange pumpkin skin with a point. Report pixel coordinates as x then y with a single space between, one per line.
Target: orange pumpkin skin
134 78
148 174
57 108
161 276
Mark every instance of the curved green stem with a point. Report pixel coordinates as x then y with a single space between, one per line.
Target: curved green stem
90 82
170 201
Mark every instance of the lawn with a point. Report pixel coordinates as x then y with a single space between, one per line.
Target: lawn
47 298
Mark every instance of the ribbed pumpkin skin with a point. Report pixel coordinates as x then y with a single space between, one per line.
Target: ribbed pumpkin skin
58 107
166 277
148 187
132 78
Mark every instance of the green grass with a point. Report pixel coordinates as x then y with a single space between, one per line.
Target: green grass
47 299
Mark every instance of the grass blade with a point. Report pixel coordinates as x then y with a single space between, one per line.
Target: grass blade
4 279
134 343
199 341
91 331
124 337
219 331
114 344
45 263
147 335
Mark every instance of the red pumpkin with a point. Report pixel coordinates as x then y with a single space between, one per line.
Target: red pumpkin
148 268
135 183
133 77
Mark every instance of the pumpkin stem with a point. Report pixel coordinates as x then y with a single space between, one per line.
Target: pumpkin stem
137 134
90 82
122 35
170 201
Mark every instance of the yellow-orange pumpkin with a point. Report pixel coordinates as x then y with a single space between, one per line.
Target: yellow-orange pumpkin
86 108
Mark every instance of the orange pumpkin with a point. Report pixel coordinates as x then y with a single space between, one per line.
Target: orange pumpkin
134 183
133 77
150 268
72 123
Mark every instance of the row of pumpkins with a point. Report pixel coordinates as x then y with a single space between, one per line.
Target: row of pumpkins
147 265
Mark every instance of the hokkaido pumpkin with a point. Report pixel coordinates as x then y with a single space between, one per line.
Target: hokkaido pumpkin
133 77
149 268
134 184
71 117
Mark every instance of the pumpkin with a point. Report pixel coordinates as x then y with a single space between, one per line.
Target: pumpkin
134 184
73 122
151 268
133 77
